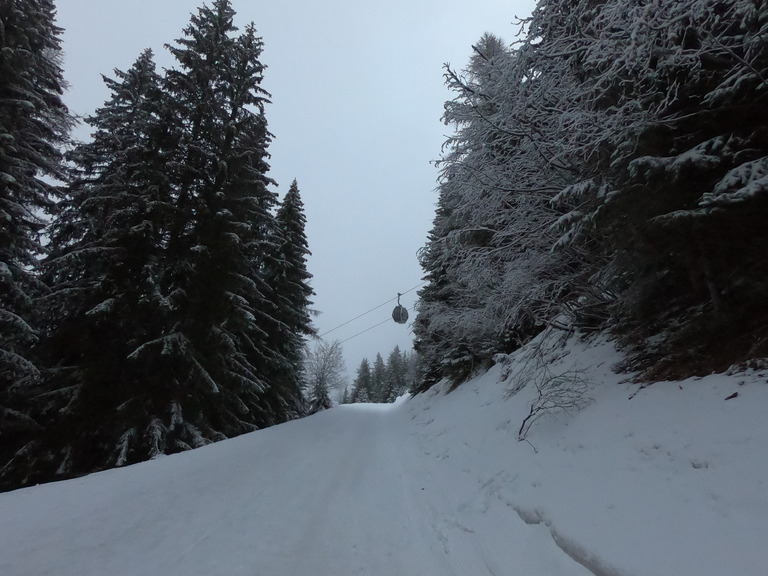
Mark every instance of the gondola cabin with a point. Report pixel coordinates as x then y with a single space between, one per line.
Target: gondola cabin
400 314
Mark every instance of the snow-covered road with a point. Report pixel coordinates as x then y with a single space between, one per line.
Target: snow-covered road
350 491
348 504
668 483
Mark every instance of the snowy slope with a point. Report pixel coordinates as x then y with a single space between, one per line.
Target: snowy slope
669 483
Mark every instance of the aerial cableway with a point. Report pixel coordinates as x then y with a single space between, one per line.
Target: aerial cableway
399 315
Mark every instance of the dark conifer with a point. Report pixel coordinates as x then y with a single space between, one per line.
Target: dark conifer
33 124
362 387
379 390
162 321
288 279
222 236
397 367
104 271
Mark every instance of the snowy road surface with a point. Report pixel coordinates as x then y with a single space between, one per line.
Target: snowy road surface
665 481
349 491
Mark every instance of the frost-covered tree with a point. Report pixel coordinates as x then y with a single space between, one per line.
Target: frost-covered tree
33 126
293 279
608 170
324 373
378 391
385 380
492 278
177 300
161 311
677 199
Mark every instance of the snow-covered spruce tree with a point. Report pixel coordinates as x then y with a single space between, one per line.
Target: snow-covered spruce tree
397 367
221 303
378 380
361 388
288 278
679 200
413 370
33 125
104 272
492 278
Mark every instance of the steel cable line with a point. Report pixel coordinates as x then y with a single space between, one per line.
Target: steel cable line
366 330
368 312
372 327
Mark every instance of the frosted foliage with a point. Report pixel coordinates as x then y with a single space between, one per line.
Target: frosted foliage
491 243
573 151
123 446
33 128
155 435
643 64
323 368
741 183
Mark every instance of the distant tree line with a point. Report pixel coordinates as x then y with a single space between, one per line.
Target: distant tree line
157 299
607 172
383 381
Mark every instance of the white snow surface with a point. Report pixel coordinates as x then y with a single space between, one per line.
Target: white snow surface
671 482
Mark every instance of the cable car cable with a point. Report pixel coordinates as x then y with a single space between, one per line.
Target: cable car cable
355 318
369 311
366 330
372 327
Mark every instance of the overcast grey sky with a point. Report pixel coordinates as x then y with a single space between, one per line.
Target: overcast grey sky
357 94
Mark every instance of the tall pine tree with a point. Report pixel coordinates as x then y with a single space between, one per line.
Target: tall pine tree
491 277
379 390
104 271
397 366
288 279
33 125
362 389
222 236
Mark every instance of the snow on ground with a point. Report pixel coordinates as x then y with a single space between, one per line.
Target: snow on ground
670 482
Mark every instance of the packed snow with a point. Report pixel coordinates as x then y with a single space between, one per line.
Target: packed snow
667 480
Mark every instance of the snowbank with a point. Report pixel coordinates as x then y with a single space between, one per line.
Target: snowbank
666 480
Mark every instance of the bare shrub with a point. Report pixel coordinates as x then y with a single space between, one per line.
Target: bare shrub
556 390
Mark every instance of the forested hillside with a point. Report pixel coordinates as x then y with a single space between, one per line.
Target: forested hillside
169 305
607 171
